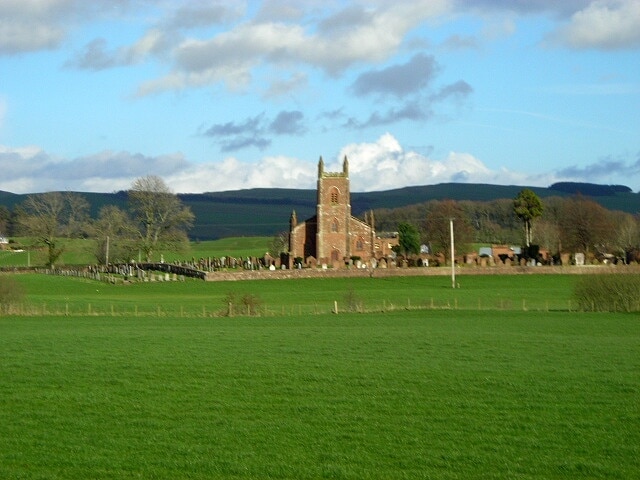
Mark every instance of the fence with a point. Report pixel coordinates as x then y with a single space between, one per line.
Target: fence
244 309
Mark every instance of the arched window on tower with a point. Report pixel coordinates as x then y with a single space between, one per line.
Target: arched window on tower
360 244
334 225
335 195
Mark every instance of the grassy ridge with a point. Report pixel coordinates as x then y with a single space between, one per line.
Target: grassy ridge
402 395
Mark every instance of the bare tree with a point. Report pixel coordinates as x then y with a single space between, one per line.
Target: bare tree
626 234
50 216
159 215
438 228
114 234
548 236
279 244
586 225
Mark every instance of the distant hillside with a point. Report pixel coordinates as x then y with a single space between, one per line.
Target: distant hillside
266 211
589 189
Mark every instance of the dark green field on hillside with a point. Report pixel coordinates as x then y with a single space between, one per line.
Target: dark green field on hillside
266 211
411 394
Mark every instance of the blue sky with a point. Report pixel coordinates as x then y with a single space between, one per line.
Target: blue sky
216 96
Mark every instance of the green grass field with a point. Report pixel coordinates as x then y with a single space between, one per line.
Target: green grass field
82 251
76 296
496 392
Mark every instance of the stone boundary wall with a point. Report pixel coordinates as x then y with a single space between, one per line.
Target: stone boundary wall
221 276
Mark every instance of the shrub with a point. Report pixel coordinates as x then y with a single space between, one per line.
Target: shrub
11 293
608 293
352 300
247 304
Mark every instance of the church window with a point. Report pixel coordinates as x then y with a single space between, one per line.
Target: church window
360 244
335 195
334 225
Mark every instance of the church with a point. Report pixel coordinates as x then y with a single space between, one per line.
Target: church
333 236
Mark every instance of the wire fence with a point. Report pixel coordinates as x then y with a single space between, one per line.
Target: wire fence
259 309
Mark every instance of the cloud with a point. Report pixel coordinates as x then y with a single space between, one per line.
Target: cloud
199 15
26 26
374 166
34 25
95 56
398 80
250 124
31 170
606 25
384 165
231 56
523 7
605 168
413 111
288 123
459 90
252 131
284 87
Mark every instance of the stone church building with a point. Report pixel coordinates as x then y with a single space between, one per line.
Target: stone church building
333 236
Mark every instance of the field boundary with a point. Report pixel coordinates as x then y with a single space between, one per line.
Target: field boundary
229 275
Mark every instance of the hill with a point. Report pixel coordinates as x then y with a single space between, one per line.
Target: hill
266 211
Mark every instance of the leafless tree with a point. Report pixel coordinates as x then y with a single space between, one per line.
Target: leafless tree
159 215
626 234
47 217
115 235
279 244
438 227
585 226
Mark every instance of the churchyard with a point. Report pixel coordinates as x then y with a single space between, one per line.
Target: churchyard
499 378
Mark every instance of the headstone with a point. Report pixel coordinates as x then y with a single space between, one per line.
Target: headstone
579 258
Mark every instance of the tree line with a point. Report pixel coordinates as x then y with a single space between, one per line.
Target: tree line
154 216
555 224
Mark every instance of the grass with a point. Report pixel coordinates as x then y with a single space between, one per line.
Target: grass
81 251
475 387
75 296
413 394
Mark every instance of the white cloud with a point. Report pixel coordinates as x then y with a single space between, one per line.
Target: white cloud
231 56
33 25
384 165
373 166
604 24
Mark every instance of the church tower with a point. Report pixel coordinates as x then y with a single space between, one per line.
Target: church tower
333 214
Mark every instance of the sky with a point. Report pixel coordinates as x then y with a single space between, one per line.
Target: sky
228 95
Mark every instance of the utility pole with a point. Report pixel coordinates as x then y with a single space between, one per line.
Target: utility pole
453 261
